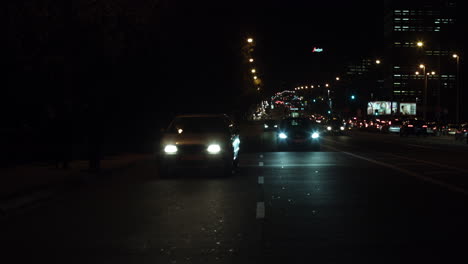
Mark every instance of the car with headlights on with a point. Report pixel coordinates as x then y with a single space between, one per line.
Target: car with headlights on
270 125
298 133
200 141
335 126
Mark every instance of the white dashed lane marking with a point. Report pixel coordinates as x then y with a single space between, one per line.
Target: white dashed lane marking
260 210
261 180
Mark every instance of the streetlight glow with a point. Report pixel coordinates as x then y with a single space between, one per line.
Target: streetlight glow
420 43
417 73
253 70
326 85
250 40
455 56
377 61
433 73
422 66
337 78
251 60
255 77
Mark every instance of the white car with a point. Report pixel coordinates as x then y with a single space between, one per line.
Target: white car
200 141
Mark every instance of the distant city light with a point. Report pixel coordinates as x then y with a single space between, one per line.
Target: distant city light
255 77
317 49
422 66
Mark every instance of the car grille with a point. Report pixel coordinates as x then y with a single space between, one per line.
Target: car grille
191 149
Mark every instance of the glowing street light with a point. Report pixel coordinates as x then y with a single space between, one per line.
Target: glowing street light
250 40
251 60
417 73
433 73
255 77
326 85
378 61
422 66
455 56
253 71
337 78
420 44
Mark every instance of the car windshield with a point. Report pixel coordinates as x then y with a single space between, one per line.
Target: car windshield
198 125
297 124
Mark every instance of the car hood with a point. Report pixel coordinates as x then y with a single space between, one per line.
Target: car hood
194 139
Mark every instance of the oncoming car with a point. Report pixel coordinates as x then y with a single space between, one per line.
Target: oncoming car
298 132
200 141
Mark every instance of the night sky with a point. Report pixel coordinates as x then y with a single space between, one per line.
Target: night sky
165 56
204 41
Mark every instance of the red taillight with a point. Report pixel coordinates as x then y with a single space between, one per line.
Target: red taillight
464 130
389 122
424 126
410 125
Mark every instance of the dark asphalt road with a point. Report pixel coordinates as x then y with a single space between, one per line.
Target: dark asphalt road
364 198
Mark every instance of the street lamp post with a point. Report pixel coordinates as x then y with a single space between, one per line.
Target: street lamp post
423 67
457 103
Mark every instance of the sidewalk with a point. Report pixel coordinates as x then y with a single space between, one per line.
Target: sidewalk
22 180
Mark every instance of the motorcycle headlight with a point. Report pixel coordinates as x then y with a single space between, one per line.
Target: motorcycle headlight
214 149
170 149
315 135
283 136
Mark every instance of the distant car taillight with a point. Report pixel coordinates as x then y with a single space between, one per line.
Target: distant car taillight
425 126
410 125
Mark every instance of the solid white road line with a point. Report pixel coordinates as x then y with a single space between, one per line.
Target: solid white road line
261 180
450 187
260 210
